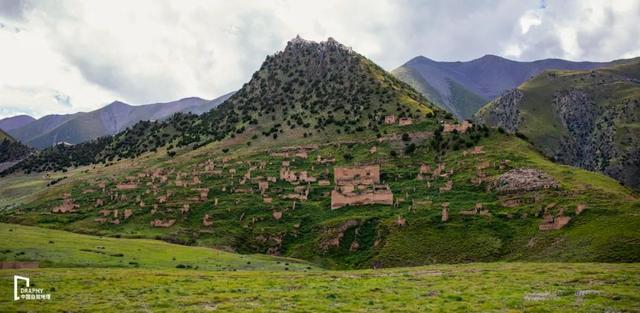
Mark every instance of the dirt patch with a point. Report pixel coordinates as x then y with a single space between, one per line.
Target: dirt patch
18 265
334 235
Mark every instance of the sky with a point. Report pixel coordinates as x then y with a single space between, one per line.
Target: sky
69 56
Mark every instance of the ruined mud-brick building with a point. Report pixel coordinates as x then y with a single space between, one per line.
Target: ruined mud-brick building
357 175
359 185
127 186
67 205
382 196
461 128
390 119
404 121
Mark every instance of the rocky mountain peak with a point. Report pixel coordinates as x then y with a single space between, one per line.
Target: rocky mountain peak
299 43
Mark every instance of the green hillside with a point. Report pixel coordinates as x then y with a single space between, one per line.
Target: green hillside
240 220
258 175
589 119
55 248
5 136
416 81
11 150
460 101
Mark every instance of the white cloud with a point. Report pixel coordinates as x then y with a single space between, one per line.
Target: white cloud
66 56
528 20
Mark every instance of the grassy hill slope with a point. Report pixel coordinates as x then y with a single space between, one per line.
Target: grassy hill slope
215 180
11 150
606 231
5 136
55 248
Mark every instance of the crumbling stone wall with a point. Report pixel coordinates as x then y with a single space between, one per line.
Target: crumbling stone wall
357 175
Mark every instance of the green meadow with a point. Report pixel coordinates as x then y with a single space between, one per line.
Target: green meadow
475 287
55 248
85 273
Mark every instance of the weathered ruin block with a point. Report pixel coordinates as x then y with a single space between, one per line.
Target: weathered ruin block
320 160
206 220
445 214
126 186
555 223
304 177
363 174
447 187
404 121
263 186
302 154
67 206
390 119
161 223
339 199
461 128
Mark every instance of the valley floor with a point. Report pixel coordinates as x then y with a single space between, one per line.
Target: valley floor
475 287
85 273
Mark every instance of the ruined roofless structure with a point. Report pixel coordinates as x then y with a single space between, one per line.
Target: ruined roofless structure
359 185
357 175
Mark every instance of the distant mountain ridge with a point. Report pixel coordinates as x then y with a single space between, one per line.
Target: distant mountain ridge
111 119
462 88
14 122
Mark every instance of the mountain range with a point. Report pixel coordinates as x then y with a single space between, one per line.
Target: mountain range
14 122
111 119
324 156
462 88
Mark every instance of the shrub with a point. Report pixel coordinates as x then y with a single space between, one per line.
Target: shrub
410 148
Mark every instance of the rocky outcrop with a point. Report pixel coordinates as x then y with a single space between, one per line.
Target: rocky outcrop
587 142
523 180
503 112
588 122
332 236
594 139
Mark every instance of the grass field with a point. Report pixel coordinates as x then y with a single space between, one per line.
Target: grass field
93 274
476 287
54 248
